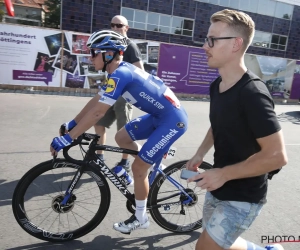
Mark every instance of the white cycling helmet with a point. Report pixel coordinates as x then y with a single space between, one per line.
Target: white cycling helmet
107 40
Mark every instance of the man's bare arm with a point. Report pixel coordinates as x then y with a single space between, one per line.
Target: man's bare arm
139 64
271 157
197 159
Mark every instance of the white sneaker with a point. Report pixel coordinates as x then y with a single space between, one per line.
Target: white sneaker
274 247
127 226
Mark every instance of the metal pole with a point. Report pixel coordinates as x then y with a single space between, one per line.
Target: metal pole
62 44
92 14
61 7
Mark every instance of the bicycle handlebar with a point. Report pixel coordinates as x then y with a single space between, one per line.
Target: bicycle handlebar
83 139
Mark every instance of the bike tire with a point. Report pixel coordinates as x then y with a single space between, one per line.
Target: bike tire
163 215
30 196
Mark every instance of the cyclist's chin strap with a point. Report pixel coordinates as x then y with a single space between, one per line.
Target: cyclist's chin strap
110 60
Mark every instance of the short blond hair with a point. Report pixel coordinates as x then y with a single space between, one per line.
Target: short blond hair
239 22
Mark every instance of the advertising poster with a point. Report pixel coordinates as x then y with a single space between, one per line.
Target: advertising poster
150 53
28 55
276 72
44 57
295 90
184 69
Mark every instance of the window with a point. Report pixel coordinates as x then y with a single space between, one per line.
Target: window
128 13
139 19
283 10
266 7
188 27
234 4
224 3
164 23
278 42
268 40
249 5
261 39
152 21
214 2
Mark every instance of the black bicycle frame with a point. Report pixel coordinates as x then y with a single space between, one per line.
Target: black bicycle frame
91 158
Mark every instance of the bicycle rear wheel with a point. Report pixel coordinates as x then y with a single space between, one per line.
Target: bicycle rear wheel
37 196
173 215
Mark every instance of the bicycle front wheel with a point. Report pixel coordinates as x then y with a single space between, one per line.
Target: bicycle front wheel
36 201
172 214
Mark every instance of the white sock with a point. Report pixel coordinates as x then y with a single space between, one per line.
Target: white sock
140 210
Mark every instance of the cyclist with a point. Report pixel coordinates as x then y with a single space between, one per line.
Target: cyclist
165 121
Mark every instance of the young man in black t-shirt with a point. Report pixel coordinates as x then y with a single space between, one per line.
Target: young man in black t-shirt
245 133
121 111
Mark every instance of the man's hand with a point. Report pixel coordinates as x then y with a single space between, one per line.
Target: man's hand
211 179
59 143
194 163
66 127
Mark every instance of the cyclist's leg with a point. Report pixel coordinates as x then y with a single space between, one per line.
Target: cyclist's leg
162 132
123 111
105 122
138 129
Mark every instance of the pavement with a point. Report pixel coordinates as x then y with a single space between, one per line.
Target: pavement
28 123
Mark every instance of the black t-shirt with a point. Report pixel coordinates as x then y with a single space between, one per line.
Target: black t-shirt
132 54
238 117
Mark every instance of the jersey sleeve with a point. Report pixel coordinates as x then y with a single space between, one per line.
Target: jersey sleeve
258 108
102 90
115 85
132 53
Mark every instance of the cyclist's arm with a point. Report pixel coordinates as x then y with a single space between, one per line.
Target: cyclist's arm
87 108
206 144
272 156
90 117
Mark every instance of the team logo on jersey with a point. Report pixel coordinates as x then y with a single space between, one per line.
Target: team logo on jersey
111 86
180 125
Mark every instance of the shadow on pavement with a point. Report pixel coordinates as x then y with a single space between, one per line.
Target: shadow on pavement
104 242
293 117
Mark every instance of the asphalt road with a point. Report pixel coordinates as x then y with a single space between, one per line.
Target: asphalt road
29 122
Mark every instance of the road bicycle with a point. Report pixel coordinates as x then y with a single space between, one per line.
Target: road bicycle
64 199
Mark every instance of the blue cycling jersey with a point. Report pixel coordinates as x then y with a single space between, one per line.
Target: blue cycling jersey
145 91
165 120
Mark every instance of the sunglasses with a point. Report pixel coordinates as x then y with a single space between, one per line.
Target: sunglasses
211 40
94 53
118 25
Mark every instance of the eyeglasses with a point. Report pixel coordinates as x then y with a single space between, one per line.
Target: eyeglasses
211 40
94 53
118 25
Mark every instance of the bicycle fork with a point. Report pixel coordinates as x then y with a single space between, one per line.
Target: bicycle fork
71 187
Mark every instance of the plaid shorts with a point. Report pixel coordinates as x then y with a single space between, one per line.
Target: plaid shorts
225 221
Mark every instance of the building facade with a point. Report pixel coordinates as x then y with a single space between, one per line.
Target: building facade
27 12
187 21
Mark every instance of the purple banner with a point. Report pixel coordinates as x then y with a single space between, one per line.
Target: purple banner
24 75
184 69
